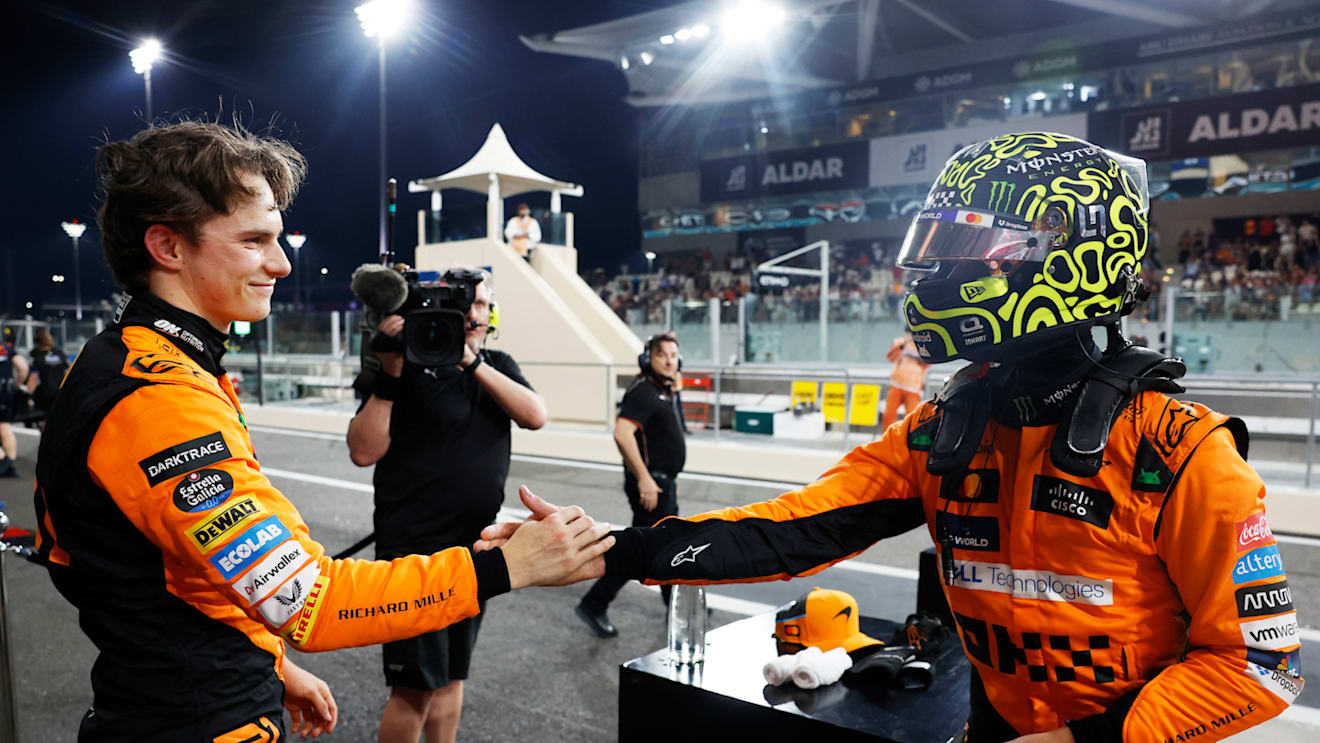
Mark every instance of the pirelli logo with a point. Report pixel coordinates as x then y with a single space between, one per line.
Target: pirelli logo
307 617
212 532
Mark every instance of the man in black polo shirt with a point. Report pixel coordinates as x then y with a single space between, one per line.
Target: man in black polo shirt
649 433
439 438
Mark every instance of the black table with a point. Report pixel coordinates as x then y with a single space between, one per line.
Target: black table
725 698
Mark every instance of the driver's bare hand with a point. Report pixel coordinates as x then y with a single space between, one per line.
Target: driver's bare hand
562 547
392 363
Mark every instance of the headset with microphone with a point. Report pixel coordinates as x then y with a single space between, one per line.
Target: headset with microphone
644 358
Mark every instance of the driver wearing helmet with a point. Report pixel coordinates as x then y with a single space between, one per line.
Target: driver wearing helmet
1103 546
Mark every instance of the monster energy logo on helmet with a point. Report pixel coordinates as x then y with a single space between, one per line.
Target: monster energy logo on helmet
1001 195
1025 407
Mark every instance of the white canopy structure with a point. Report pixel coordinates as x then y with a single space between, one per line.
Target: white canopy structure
496 170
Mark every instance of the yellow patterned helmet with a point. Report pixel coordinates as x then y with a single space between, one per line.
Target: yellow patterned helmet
1022 238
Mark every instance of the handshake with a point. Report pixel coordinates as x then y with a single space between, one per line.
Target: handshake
552 547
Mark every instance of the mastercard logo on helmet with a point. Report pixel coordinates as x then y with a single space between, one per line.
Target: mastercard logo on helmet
824 619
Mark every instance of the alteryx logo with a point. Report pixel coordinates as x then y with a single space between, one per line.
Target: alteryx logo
1257 564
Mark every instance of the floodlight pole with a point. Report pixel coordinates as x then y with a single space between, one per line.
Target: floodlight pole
380 182
146 78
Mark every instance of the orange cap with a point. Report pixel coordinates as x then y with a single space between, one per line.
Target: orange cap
825 619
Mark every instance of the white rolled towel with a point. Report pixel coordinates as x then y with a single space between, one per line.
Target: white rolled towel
821 669
780 669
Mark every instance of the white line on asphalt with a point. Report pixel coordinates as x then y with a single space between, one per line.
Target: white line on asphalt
296 432
1309 635
1290 539
334 482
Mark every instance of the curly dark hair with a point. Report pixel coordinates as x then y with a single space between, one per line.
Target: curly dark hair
182 175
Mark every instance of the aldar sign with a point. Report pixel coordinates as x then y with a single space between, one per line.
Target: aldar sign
1265 120
830 168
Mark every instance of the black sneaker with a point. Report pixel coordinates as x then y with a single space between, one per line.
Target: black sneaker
599 623
7 468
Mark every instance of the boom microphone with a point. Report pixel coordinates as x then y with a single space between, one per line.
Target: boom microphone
381 288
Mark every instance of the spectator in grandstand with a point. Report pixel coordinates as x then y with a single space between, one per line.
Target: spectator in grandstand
649 434
13 372
523 232
1308 244
49 365
907 382
440 440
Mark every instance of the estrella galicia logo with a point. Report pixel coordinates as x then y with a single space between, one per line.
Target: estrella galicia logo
1258 564
185 457
239 554
1001 195
203 490
980 533
1263 601
1071 500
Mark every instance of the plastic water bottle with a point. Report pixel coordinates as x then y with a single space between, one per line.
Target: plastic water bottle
687 625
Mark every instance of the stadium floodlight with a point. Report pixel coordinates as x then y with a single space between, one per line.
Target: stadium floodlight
752 20
57 278
145 56
647 58
624 63
683 34
324 270
700 31
667 39
75 230
296 240
1039 95
650 260
383 17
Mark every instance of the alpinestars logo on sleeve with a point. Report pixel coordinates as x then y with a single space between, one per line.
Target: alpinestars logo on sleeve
689 554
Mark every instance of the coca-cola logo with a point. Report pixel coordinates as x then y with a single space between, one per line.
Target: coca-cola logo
1252 532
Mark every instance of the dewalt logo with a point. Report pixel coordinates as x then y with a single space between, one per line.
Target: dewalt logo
1001 195
210 533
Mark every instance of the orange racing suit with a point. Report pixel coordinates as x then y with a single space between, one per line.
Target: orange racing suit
188 568
1147 603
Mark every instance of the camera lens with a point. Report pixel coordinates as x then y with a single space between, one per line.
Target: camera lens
434 336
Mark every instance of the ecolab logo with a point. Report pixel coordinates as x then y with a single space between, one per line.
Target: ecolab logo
1252 532
247 547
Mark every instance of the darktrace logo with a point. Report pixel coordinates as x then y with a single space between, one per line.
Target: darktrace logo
1001 195
1071 500
185 457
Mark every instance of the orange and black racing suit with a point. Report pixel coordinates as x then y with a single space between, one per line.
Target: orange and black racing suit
188 568
1147 603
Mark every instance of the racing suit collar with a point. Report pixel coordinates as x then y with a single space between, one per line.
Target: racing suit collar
190 333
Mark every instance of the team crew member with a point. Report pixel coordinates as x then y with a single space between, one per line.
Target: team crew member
13 371
1104 547
440 440
49 365
188 568
907 382
649 434
523 232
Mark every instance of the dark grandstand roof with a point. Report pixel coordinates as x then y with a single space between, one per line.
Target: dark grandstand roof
825 43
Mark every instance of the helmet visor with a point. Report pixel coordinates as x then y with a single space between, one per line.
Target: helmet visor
962 234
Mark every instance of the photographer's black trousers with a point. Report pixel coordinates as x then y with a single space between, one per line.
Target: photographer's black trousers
603 592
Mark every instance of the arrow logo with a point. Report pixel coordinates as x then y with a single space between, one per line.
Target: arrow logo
687 555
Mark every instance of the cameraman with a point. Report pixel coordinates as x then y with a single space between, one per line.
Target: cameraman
433 431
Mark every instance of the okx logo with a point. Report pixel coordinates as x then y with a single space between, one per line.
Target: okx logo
1001 195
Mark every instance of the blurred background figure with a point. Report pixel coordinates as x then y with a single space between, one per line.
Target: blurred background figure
908 379
13 371
523 232
48 367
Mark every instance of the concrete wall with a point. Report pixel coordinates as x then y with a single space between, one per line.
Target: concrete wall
558 266
536 325
669 190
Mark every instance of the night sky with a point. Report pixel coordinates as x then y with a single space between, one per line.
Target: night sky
306 67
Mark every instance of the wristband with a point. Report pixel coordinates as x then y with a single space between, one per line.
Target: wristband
387 387
472 368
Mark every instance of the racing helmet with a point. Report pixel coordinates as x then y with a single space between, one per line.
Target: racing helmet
1023 239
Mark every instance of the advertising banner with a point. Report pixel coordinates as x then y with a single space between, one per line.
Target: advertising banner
834 167
918 158
1246 122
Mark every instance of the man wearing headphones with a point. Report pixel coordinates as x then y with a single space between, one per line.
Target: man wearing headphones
434 431
649 433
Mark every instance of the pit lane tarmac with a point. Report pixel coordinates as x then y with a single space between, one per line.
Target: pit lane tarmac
537 670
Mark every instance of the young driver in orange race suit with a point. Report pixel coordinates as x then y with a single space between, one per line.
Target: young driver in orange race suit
190 571
1103 546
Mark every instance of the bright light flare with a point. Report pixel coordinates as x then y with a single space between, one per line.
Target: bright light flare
324 270
667 39
74 229
295 239
624 63
752 20
683 34
383 17
145 56
700 31
647 58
